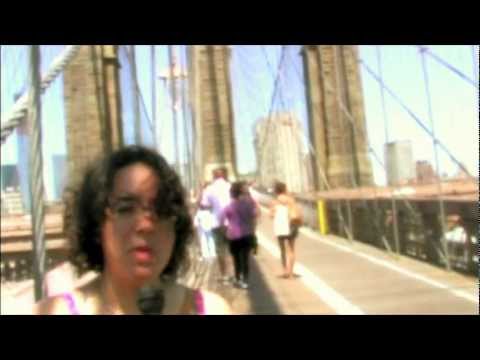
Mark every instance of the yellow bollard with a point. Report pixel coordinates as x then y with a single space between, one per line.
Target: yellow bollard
322 217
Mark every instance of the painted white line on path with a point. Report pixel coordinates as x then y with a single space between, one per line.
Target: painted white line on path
391 266
332 298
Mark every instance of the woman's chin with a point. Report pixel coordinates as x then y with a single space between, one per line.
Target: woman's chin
144 274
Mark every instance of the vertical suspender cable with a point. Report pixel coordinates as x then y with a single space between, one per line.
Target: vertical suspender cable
437 164
36 174
385 121
154 93
173 90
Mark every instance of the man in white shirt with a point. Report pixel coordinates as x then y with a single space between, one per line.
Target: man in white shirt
216 197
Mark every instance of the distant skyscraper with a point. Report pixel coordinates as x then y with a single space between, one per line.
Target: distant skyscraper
281 153
12 203
425 173
9 177
59 175
399 162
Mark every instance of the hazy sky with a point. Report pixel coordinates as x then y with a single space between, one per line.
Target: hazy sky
454 101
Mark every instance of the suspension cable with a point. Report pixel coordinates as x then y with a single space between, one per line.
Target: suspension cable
139 95
427 51
269 119
475 56
193 118
183 98
417 120
278 85
385 124
382 92
437 163
12 119
36 173
249 92
370 149
153 71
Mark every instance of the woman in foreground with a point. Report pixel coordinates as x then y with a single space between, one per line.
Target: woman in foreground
131 224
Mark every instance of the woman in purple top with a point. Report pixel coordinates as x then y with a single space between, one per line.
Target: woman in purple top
241 214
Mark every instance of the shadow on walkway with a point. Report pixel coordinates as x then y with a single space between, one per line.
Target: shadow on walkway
262 300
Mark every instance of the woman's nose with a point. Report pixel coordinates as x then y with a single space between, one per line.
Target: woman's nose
145 220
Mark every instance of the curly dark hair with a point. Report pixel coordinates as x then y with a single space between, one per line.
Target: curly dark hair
89 202
236 189
279 188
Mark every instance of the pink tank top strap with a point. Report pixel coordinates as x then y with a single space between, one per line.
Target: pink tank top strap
199 302
69 299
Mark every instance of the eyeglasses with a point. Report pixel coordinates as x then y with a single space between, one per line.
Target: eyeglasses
129 208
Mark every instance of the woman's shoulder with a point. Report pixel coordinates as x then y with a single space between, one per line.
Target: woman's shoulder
275 202
55 305
182 299
80 300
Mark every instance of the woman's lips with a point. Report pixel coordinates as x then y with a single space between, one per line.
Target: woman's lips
143 254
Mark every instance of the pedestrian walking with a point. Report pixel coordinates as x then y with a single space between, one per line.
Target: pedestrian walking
287 219
241 215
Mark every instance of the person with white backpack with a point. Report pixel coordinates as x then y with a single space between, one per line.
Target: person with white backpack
287 219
